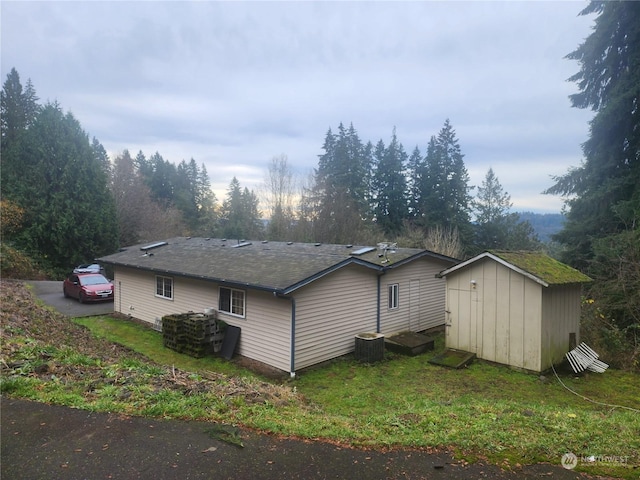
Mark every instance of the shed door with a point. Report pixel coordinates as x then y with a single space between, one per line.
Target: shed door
462 319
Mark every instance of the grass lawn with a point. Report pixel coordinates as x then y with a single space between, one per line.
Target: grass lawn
484 410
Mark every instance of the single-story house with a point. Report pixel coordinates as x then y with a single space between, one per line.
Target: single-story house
297 304
516 308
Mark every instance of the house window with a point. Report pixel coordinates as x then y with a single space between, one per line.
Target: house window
394 296
164 287
231 301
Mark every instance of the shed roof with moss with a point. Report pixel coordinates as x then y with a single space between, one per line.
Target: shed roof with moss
536 265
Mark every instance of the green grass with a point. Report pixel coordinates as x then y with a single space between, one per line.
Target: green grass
148 342
483 411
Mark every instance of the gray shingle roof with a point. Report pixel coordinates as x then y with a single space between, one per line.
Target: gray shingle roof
274 266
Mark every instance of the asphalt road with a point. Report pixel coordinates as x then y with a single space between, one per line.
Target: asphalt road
51 294
46 442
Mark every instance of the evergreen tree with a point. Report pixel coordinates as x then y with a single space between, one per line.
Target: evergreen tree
240 215
160 176
390 186
603 210
341 187
496 227
186 192
446 198
416 169
101 156
207 202
70 215
605 189
18 111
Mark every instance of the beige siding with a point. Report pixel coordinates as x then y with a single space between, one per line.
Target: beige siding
331 311
561 317
422 303
265 332
135 295
498 318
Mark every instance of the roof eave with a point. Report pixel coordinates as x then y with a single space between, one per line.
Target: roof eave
495 258
327 271
234 283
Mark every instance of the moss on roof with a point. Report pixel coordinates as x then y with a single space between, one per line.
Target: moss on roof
543 266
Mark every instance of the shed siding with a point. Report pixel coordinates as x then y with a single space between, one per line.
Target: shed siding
560 318
265 330
498 318
422 297
331 311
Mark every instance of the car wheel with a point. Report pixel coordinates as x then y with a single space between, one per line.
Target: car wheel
64 292
81 297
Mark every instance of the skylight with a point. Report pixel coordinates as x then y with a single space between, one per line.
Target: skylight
153 245
363 250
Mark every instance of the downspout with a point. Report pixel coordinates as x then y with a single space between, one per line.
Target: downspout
379 294
292 370
378 306
292 356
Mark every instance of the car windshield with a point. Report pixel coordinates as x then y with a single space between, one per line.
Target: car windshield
93 280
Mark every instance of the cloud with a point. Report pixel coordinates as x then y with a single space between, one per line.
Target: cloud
232 84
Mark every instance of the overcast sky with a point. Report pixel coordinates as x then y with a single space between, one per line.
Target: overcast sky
233 84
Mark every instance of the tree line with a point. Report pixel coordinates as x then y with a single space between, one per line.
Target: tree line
71 202
65 202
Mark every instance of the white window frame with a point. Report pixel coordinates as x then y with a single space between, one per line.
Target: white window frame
394 296
234 293
162 293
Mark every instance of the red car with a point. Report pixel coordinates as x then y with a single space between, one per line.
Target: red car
88 287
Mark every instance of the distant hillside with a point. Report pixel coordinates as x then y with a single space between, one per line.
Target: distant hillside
544 224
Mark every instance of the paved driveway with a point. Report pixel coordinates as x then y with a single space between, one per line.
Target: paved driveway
51 294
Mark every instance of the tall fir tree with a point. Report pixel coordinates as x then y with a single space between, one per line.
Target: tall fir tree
70 215
390 186
416 171
341 187
602 229
240 216
18 111
446 199
604 192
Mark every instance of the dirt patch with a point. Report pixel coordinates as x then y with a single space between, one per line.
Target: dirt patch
21 318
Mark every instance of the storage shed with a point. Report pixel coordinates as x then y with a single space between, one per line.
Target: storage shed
516 308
